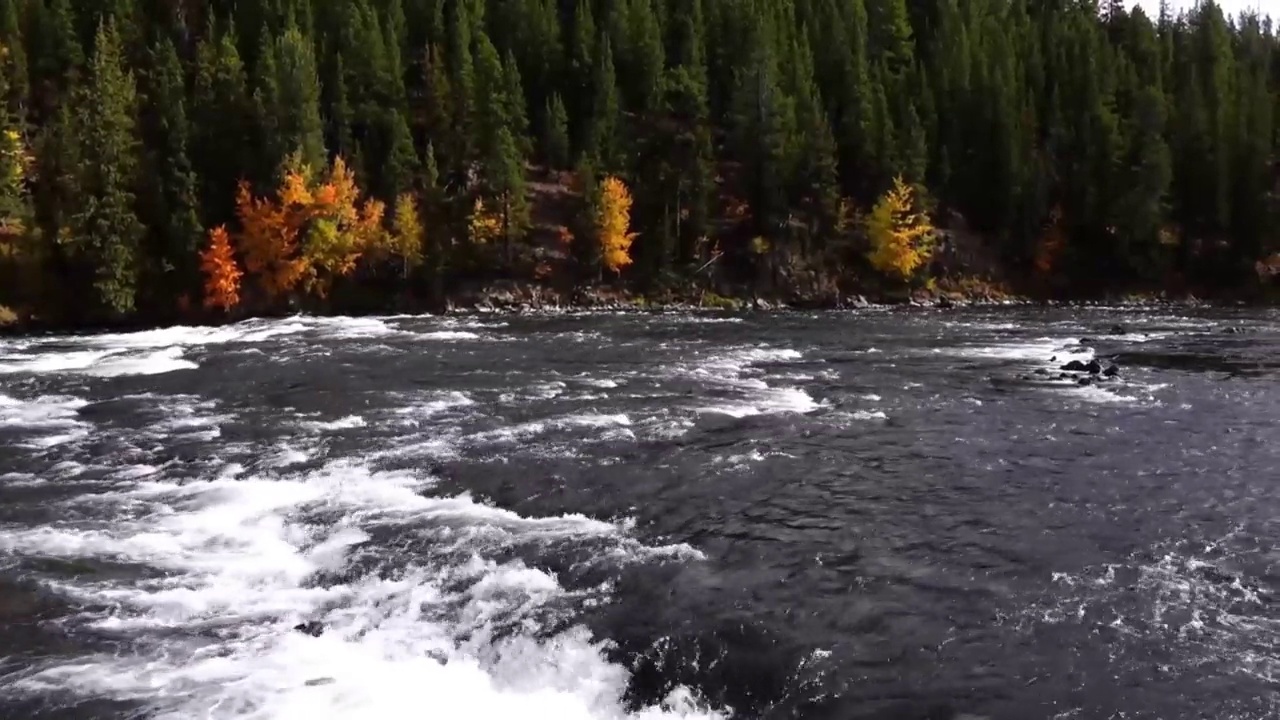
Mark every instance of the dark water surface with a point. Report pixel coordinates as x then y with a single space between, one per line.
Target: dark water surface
875 515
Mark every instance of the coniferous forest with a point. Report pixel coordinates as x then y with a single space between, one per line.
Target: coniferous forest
167 159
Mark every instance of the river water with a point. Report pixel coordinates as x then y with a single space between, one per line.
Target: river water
872 515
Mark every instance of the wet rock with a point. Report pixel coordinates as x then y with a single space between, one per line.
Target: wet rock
1063 376
1075 366
314 628
315 682
1119 330
1112 370
1041 371
1232 330
1086 341
1086 381
1093 368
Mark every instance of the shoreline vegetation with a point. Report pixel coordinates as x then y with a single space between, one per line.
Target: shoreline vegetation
192 163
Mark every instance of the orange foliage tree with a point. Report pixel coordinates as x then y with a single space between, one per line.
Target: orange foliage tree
221 273
1051 245
613 221
309 234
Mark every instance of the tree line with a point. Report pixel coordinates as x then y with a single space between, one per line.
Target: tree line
157 156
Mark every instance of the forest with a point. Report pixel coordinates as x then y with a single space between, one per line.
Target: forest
174 159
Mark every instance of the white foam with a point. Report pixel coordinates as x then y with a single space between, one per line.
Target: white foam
450 335
238 554
153 363
1039 351
50 411
54 420
733 370
344 423
438 404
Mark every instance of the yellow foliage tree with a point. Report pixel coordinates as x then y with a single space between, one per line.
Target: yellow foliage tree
340 230
405 240
485 225
902 238
613 221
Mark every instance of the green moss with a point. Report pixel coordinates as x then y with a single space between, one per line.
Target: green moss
718 302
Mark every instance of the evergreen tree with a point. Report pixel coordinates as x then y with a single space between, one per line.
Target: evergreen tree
223 141
172 197
296 105
555 139
106 230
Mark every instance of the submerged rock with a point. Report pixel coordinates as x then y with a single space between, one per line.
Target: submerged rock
1086 381
1119 330
314 628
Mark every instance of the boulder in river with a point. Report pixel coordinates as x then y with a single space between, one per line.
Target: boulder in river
1094 367
1086 381
1075 366
1119 330
1112 370
314 628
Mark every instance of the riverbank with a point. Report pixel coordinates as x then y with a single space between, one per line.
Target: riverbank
534 299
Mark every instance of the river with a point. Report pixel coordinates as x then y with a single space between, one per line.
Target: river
882 514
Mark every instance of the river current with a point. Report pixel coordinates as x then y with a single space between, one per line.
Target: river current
883 514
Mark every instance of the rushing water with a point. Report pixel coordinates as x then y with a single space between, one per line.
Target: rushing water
874 515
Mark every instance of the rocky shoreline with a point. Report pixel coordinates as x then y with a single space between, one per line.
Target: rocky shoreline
516 299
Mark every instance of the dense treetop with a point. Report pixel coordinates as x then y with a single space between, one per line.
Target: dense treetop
154 152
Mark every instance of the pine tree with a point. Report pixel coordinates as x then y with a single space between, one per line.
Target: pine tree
172 197
296 105
106 230
13 62
602 134
223 141
402 159
555 139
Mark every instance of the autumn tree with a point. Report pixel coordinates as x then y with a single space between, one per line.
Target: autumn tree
310 234
406 237
338 229
902 238
221 273
613 224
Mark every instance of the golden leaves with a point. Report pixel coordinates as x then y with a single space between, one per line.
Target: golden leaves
309 234
613 220
901 237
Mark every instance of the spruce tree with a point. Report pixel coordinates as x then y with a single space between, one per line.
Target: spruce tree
224 137
172 195
297 124
106 230
555 139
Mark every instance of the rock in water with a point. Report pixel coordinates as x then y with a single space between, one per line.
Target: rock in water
1112 371
1094 367
314 628
1085 381
1118 330
1075 366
